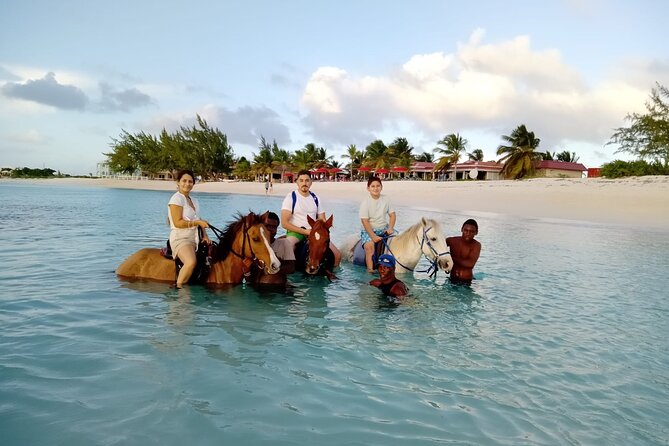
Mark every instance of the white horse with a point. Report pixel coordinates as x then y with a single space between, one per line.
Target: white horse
422 239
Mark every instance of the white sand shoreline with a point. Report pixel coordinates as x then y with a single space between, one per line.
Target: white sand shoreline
637 201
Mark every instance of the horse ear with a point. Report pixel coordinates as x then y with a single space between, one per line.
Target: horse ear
263 217
423 221
328 222
310 220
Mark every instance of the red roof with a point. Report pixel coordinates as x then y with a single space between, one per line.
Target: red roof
480 165
561 165
422 166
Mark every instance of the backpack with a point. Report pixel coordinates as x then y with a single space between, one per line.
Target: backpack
294 195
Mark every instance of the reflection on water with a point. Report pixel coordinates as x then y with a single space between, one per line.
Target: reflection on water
551 344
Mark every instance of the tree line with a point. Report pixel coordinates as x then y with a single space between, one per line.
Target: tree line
207 152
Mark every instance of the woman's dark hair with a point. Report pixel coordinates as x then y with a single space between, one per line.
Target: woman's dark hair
183 172
372 179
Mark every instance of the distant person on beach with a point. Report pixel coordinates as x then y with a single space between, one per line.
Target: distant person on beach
185 221
465 252
378 219
387 282
295 208
267 183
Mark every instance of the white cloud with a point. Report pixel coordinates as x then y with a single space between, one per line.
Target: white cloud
479 88
31 137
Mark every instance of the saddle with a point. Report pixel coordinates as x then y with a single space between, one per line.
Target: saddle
359 252
204 255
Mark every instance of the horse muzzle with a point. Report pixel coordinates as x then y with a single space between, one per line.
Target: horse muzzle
273 267
311 269
446 263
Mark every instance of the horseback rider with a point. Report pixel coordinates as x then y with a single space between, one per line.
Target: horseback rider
185 224
378 219
295 208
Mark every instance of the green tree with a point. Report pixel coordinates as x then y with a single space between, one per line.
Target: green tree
207 150
647 137
125 155
378 156
475 155
201 148
263 162
242 168
401 152
548 155
567 157
425 157
354 156
452 147
282 159
519 154
302 160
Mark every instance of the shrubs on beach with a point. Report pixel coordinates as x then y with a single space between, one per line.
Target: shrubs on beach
619 168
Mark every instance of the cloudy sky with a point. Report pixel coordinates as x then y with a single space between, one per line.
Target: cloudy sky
75 73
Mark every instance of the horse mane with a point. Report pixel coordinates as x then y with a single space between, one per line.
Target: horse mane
230 232
402 241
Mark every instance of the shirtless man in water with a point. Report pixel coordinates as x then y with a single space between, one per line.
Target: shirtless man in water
465 252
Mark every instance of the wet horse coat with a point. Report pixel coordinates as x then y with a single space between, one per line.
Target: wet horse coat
314 256
243 243
424 238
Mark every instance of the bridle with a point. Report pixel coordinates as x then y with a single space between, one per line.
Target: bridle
425 240
247 261
322 262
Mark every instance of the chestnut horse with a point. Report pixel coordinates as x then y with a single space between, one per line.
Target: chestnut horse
314 256
243 243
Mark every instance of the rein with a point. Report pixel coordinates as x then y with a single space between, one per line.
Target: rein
434 263
245 231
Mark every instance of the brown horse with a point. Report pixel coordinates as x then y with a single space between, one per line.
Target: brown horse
311 256
244 243
318 244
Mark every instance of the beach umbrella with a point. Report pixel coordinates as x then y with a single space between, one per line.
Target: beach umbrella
382 171
400 169
364 169
321 170
335 170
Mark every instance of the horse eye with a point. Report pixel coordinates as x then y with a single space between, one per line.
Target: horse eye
255 239
433 238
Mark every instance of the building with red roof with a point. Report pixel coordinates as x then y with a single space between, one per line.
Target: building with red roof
560 169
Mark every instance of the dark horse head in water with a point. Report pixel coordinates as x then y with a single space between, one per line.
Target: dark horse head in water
314 256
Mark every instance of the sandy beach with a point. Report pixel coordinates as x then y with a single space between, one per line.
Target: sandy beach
634 201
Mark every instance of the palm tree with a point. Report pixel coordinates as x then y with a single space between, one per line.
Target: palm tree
476 155
453 146
378 155
425 157
263 162
547 156
401 152
281 159
354 156
567 157
519 155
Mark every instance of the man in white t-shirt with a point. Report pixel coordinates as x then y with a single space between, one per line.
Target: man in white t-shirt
295 208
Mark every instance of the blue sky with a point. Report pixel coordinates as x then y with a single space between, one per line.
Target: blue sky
74 74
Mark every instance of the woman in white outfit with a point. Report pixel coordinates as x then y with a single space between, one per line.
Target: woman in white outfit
184 216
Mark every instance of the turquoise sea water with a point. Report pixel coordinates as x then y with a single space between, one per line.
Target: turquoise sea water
562 339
